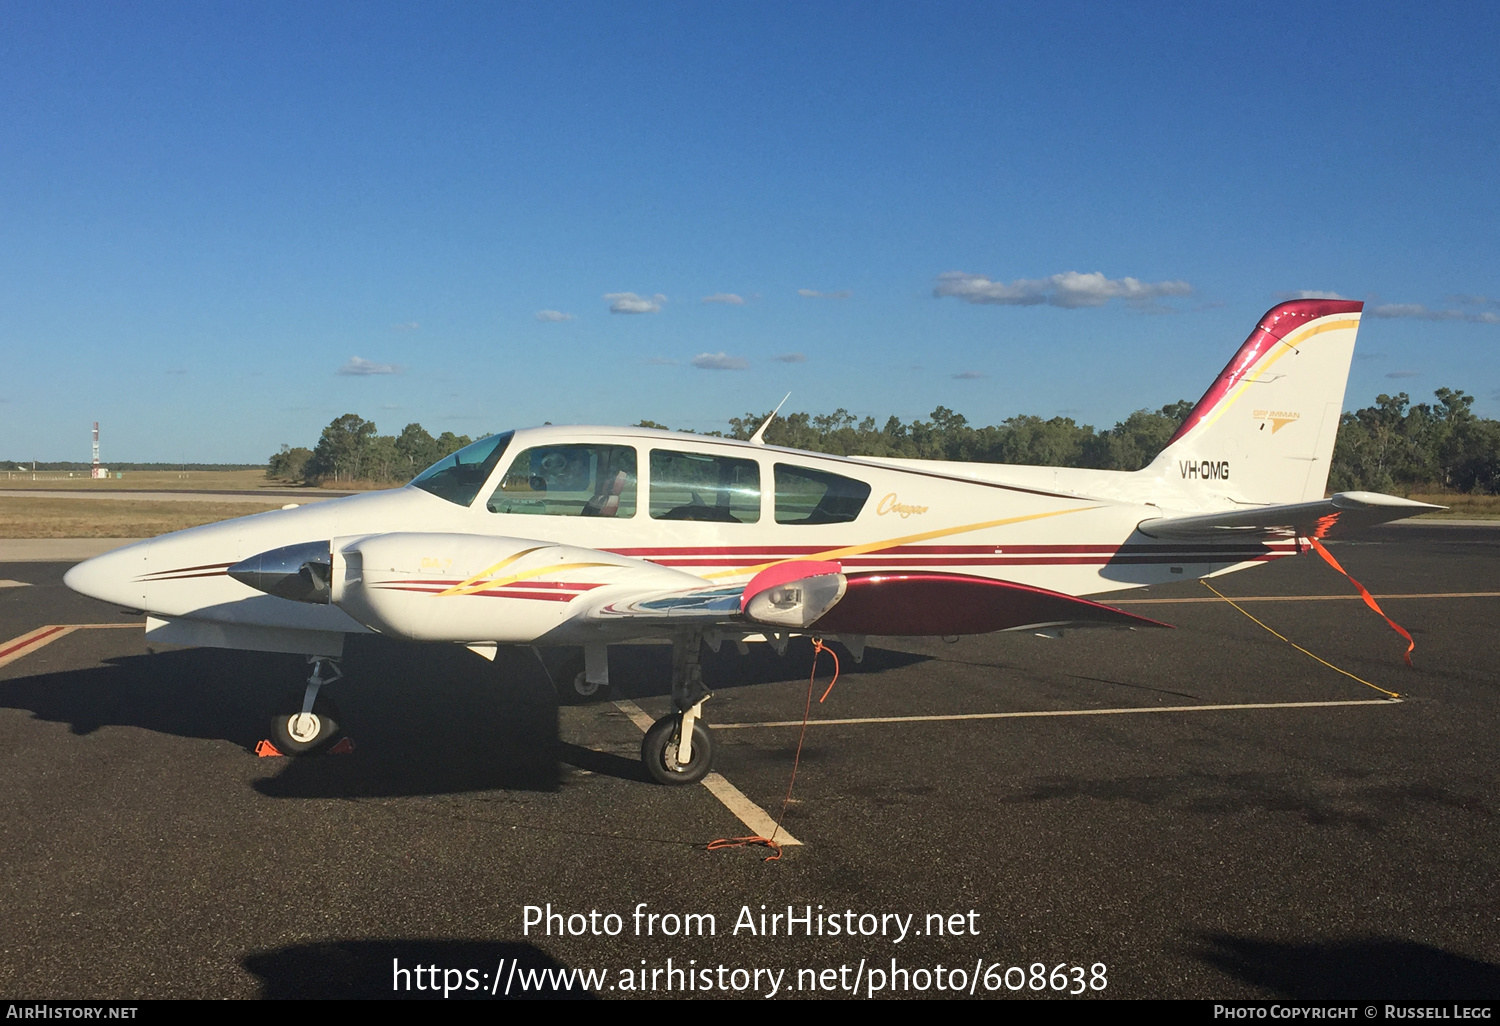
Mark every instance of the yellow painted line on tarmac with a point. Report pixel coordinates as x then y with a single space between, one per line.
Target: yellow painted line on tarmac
31 641
1300 598
733 799
1058 712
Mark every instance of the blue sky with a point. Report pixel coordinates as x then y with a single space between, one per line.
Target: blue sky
222 225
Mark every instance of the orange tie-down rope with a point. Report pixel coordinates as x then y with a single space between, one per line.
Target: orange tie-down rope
1365 594
770 842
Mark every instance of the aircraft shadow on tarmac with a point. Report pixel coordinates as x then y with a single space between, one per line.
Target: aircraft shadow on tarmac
1363 969
367 969
645 671
425 719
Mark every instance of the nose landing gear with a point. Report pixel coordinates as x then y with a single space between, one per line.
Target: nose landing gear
315 725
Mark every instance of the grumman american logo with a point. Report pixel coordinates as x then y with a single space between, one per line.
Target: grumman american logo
1204 470
1278 419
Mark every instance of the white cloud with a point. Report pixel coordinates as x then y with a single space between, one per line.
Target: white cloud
968 375
630 303
728 298
815 294
408 326
1068 290
360 367
1404 374
1309 294
719 361
790 358
553 316
1419 312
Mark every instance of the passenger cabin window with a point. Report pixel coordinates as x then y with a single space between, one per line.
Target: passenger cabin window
569 481
694 486
805 496
458 476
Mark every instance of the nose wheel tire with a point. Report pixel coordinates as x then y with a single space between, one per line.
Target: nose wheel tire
659 750
298 733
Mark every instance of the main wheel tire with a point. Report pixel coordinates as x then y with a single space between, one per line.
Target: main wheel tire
295 734
659 752
573 686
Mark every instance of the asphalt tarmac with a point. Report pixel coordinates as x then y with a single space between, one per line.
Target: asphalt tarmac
1287 851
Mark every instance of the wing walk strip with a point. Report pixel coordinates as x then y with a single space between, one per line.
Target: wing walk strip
1032 714
746 811
29 642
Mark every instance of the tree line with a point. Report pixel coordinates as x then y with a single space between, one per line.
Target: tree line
1393 446
350 452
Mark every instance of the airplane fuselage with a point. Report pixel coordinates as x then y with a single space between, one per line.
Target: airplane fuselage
886 518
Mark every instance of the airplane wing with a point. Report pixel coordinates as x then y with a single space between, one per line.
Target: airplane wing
1344 513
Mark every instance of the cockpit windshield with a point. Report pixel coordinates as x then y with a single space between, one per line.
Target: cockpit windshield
458 476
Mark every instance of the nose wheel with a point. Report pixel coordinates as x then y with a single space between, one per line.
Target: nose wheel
315 725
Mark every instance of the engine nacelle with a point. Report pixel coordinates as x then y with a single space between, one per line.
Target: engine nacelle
474 588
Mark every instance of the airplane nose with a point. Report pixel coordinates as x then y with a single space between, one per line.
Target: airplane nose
113 577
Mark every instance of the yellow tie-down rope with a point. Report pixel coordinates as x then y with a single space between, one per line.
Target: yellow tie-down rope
1298 647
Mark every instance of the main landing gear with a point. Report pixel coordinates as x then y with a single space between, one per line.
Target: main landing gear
678 749
583 676
314 726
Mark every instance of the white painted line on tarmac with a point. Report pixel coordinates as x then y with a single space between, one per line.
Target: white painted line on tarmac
636 713
1058 712
733 799
25 644
15 584
29 642
750 814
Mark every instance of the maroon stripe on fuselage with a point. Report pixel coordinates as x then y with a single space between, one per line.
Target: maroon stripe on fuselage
186 570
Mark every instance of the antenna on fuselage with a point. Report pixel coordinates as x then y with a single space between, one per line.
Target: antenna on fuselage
759 438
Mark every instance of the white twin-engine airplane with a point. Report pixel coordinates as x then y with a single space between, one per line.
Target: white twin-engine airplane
583 537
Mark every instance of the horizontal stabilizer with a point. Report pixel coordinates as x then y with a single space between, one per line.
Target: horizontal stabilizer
1340 515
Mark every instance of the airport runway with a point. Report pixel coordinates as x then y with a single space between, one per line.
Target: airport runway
294 496
1265 848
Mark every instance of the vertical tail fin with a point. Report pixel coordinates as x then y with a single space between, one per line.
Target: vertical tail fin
1264 431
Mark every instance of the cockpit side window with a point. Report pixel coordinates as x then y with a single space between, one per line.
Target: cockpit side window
569 481
458 476
696 486
806 496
